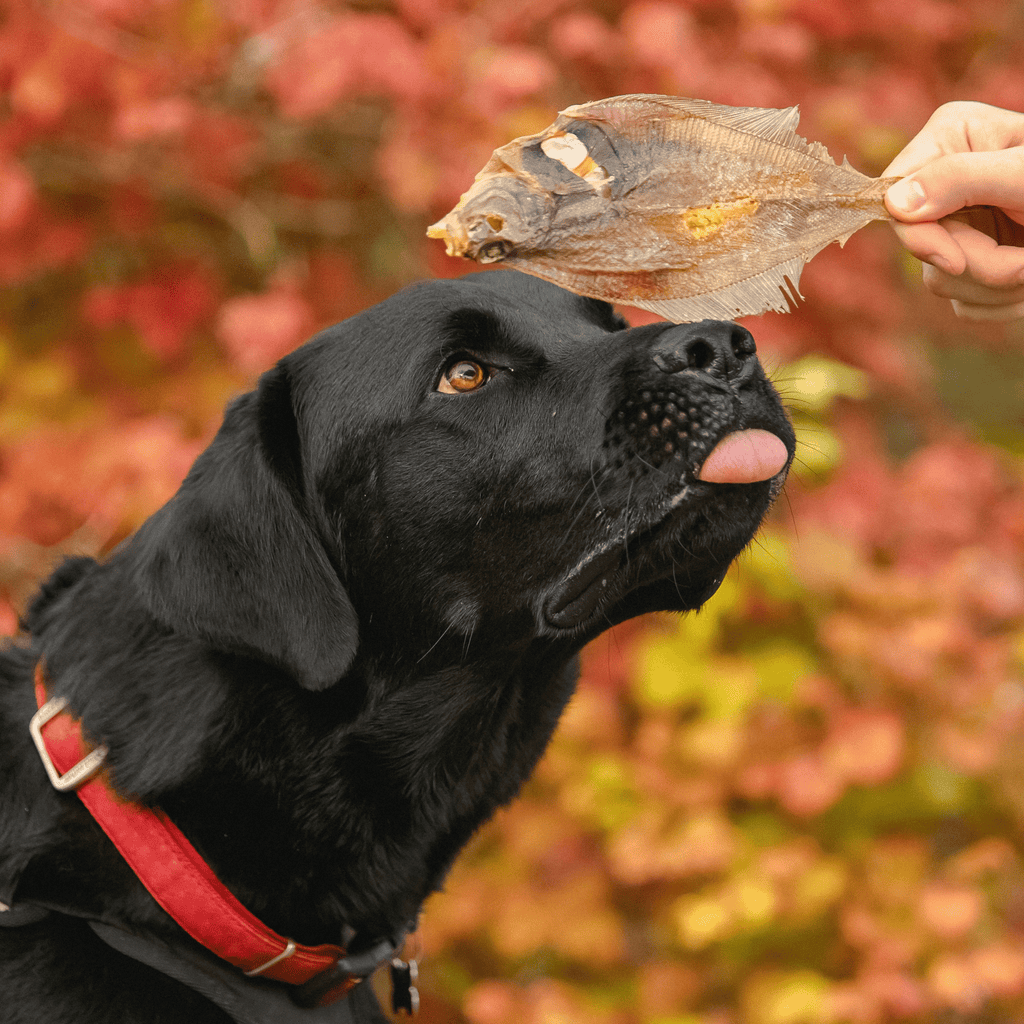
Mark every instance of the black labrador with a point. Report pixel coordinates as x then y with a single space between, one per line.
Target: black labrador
348 638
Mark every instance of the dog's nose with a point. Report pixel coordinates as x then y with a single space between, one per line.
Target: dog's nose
717 347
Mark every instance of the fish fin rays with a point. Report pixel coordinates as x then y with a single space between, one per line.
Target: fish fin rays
776 289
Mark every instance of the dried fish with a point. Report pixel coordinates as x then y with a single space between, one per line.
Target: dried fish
687 208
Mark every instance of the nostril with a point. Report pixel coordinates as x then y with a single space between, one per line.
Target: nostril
700 354
742 342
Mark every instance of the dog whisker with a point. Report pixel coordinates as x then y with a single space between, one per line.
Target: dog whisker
444 633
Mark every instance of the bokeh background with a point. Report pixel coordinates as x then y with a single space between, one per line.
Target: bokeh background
803 805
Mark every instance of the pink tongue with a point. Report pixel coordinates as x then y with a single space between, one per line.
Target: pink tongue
744 458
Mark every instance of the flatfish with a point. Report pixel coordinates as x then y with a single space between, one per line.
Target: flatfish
684 207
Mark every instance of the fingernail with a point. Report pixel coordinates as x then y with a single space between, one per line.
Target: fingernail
943 264
907 195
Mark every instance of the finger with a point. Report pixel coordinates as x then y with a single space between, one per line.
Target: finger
932 243
942 133
968 290
959 127
992 221
968 311
919 152
949 183
989 264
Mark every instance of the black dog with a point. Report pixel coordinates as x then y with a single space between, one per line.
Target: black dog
348 638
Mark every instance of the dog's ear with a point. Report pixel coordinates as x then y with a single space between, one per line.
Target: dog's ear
235 559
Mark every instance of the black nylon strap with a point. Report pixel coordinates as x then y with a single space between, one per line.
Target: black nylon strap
245 1000
21 914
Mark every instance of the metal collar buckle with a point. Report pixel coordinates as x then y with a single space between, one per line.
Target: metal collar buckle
77 774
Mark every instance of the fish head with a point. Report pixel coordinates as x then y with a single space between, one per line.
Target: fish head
497 218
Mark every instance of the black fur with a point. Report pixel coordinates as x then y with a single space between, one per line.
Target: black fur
348 638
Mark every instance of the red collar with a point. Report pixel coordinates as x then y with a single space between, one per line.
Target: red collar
168 865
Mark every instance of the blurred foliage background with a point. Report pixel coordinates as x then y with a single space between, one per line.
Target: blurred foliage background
803 805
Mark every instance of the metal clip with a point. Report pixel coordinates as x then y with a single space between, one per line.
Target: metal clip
404 994
288 950
77 774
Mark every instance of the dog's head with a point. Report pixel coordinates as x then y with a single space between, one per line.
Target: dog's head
472 463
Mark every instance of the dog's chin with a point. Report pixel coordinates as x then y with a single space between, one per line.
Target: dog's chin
595 583
653 568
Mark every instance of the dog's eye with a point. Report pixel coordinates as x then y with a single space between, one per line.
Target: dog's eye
463 375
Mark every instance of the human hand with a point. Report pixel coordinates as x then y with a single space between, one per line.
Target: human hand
967 155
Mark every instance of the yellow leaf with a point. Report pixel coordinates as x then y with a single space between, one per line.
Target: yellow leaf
819 888
701 920
712 743
818 450
604 795
814 383
769 561
669 675
780 666
754 900
732 688
794 997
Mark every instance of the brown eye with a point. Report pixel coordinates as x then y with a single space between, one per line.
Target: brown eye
462 376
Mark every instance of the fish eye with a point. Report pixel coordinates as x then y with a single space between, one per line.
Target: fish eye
496 249
462 375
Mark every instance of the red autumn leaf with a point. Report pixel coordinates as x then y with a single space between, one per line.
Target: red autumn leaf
785 42
256 330
508 75
950 911
138 464
66 73
8 619
40 93
17 197
133 211
355 54
757 780
411 173
808 784
865 747
1002 85
335 286
955 982
994 584
583 35
163 310
492 1002
661 35
426 13
1000 966
838 19
153 118
40 498
221 148
946 495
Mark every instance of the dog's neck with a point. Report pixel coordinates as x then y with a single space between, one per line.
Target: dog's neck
364 823
376 784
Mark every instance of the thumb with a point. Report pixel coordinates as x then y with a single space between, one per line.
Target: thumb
949 183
